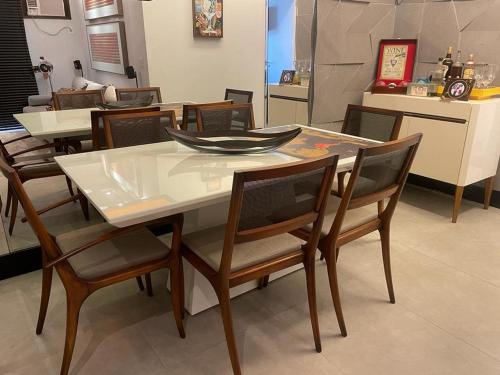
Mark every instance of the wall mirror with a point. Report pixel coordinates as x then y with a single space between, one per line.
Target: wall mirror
46 9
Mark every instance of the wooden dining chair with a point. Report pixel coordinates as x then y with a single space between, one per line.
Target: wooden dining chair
36 166
379 172
239 96
266 204
227 117
97 256
77 99
96 119
132 129
140 94
373 123
189 114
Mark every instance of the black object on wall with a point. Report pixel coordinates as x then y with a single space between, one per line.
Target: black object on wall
131 74
17 80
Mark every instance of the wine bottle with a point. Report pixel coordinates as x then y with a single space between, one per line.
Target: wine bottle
448 62
469 68
457 67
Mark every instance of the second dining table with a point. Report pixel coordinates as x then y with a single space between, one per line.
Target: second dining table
137 184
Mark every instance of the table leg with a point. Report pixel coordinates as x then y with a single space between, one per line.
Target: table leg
458 203
488 190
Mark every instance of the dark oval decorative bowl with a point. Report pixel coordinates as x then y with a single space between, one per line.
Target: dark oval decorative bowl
233 141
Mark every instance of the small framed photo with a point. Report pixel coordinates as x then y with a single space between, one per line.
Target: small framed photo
287 77
458 89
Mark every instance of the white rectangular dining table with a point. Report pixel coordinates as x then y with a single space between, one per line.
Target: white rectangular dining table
141 183
71 122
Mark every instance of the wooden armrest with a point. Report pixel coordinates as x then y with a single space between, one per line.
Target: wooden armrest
17 139
174 219
73 198
31 149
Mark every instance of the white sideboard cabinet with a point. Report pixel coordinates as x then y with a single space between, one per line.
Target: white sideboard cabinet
461 142
287 105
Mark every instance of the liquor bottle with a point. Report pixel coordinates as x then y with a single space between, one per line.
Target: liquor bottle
469 68
458 67
448 62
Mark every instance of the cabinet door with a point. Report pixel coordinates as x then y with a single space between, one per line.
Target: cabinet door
281 112
439 155
301 113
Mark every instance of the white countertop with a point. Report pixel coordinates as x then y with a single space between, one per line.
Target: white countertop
141 183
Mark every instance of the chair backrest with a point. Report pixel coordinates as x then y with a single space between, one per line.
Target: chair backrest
139 94
379 172
373 123
270 201
97 120
228 117
132 129
239 96
77 99
189 114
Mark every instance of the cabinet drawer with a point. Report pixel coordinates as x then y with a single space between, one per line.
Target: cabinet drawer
440 153
281 112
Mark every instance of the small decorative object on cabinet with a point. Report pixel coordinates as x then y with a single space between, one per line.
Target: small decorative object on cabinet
287 77
396 59
208 18
108 47
458 88
102 8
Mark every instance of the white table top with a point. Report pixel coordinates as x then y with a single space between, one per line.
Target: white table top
68 123
141 183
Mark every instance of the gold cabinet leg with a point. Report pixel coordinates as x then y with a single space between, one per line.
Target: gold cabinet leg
488 190
458 203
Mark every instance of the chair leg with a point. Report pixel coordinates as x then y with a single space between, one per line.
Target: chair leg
13 214
263 282
177 295
74 303
227 320
140 283
70 186
310 267
149 286
44 301
386 255
84 204
380 206
334 289
9 201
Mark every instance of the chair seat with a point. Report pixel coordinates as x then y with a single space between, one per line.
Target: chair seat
119 253
352 218
208 244
31 171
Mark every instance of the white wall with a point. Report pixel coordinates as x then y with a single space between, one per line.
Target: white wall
200 69
67 46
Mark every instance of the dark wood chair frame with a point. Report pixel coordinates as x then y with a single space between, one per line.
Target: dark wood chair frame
79 289
57 95
239 92
189 108
215 108
9 158
156 90
125 116
394 135
224 278
330 245
97 115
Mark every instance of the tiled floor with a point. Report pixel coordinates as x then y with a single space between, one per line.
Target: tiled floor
446 319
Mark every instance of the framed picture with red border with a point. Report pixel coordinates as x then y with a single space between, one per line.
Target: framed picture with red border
396 61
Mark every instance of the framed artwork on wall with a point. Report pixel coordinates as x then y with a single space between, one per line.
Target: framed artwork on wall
102 8
108 47
207 18
46 9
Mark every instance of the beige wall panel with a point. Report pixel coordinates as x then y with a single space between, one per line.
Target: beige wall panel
408 20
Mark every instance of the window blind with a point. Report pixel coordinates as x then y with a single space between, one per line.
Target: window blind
17 80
